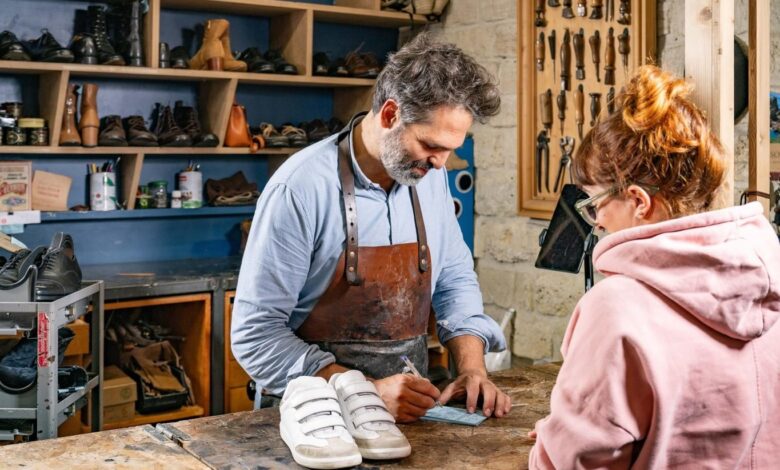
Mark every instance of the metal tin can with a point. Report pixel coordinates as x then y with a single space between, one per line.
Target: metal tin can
39 136
15 136
14 109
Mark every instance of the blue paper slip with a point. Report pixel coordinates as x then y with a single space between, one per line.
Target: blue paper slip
448 414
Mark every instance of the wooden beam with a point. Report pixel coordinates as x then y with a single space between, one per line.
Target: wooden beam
758 99
709 65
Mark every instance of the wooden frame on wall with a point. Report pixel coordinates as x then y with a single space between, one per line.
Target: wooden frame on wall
533 202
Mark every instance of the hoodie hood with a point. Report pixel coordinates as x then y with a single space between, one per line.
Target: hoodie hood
722 267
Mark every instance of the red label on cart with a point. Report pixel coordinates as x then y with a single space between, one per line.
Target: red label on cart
43 339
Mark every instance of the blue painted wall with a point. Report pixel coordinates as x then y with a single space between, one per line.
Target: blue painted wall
462 194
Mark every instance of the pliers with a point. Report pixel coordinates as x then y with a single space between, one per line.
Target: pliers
542 153
567 148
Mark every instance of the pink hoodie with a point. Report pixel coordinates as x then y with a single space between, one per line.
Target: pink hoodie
673 360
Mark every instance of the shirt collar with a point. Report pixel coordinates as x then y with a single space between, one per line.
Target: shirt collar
360 178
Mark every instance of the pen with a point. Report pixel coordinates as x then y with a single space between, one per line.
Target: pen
414 371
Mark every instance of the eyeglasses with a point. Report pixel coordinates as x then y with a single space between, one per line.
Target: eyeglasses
588 209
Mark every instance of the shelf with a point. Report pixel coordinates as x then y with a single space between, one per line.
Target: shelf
327 13
185 412
72 216
57 150
147 73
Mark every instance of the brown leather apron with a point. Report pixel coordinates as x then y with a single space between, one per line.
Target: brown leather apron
374 312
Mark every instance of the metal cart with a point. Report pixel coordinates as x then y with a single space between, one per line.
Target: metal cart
39 411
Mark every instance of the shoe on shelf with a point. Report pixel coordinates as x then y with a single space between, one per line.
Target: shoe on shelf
361 65
273 138
230 63
312 425
89 123
335 125
338 68
138 135
315 130
295 135
47 49
280 65
169 134
187 119
255 62
211 55
69 133
395 4
59 273
112 133
9 272
321 63
367 418
18 368
84 49
96 21
11 48
179 59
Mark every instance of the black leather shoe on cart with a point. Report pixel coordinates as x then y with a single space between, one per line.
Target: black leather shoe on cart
59 273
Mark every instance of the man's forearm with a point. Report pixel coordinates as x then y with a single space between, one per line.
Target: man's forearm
469 353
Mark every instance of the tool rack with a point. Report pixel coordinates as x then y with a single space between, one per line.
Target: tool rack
39 409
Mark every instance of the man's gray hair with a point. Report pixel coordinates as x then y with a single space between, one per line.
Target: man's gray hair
426 74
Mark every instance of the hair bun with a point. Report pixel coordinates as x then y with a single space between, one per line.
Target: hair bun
649 97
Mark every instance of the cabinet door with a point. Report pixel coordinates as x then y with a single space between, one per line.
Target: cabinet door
236 379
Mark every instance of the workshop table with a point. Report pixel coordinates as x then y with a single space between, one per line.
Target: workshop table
251 439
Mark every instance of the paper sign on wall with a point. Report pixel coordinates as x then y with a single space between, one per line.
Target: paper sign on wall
15 185
50 191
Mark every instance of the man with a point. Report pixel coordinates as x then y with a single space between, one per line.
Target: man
317 296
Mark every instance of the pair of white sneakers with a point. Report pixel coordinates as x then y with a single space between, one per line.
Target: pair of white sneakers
338 423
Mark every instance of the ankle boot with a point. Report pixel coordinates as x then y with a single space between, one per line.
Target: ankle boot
69 135
187 119
230 63
89 124
98 30
134 49
168 132
211 53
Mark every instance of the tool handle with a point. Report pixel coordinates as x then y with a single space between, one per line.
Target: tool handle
551 41
610 55
597 3
539 51
545 107
579 104
595 47
624 43
561 102
539 6
579 51
595 107
566 58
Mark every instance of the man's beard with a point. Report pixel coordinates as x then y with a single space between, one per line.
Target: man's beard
397 161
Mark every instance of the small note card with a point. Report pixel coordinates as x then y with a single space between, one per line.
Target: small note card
448 414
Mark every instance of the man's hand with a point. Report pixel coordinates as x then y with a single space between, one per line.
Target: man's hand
407 397
472 384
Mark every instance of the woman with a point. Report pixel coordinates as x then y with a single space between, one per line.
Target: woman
673 360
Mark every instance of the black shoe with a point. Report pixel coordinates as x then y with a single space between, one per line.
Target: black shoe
179 58
315 130
59 273
134 50
187 119
47 49
321 63
338 68
169 134
18 368
9 273
335 125
280 65
11 48
83 47
255 62
137 133
96 18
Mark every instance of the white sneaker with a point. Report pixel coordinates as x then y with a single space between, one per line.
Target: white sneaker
367 418
313 428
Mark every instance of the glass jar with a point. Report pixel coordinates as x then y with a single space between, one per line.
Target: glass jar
38 136
159 192
15 136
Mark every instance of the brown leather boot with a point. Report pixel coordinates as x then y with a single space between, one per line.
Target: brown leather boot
89 124
69 134
112 133
211 53
229 62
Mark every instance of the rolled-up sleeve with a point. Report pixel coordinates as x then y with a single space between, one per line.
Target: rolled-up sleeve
273 272
457 299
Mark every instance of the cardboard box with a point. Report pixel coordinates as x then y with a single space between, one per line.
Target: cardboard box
15 187
118 388
80 343
118 413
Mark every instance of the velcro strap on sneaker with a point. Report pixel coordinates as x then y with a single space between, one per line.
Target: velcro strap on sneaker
312 394
316 406
362 401
322 422
358 387
372 416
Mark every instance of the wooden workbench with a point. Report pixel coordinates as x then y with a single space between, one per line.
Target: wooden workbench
251 439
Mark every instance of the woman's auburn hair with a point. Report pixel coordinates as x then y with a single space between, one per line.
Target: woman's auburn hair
656 137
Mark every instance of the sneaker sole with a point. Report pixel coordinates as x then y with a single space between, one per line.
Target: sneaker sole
386 454
322 463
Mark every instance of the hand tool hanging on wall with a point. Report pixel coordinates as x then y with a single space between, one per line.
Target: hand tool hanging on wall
567 12
624 47
553 3
567 147
551 41
545 109
609 67
596 9
595 108
611 100
610 14
579 53
581 8
539 52
540 22
595 52
566 61
561 102
625 12
542 158
579 105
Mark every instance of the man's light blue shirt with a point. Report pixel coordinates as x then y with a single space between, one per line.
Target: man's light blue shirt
296 239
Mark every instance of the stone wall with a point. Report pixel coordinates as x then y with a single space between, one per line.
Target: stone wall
506 244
